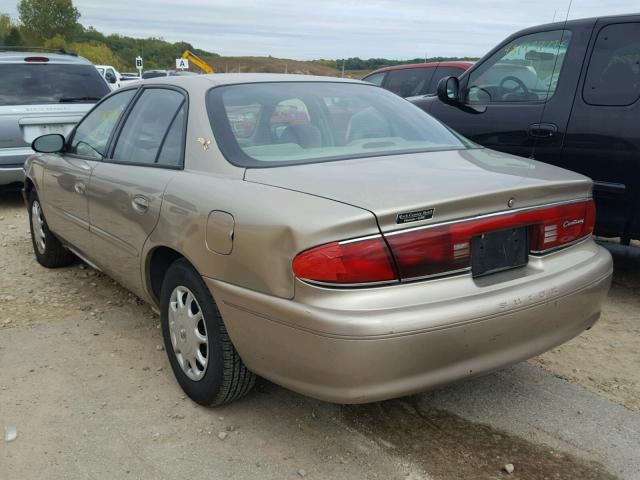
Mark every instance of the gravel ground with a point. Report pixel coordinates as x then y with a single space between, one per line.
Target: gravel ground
85 381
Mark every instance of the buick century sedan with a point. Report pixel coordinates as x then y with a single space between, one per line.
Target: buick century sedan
322 233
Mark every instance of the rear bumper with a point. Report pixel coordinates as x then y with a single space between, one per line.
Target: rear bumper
366 345
12 164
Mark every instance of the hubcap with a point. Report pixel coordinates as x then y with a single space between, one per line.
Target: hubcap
37 224
188 333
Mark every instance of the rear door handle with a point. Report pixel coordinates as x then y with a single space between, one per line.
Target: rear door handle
140 204
543 130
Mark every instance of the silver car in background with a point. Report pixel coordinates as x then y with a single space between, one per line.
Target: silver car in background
40 93
323 233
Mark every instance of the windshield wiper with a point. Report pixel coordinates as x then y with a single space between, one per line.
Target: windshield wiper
78 99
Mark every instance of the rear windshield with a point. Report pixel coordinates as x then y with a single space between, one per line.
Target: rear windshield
268 124
42 83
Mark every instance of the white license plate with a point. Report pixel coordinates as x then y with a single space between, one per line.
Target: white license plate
31 132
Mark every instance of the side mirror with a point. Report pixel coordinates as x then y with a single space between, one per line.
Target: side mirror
111 79
449 90
449 93
51 143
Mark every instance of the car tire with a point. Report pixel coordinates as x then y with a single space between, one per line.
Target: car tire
49 251
191 323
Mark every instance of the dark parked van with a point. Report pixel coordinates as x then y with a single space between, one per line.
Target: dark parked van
566 94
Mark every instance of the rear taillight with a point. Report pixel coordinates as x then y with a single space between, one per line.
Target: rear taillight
440 249
561 225
350 262
36 59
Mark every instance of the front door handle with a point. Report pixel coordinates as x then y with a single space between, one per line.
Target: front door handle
543 130
140 204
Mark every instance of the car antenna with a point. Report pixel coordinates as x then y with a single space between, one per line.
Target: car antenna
555 65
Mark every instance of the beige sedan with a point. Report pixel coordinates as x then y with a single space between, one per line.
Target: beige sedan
322 233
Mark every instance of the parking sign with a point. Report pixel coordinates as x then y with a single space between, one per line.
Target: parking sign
182 63
139 62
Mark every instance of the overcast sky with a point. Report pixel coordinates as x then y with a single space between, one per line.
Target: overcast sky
306 29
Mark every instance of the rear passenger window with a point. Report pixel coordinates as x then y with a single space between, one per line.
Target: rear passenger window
440 73
173 145
409 82
376 79
147 126
613 77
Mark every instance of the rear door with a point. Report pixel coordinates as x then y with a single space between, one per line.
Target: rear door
125 191
66 176
603 136
525 87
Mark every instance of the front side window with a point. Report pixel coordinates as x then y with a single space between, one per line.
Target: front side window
376 78
525 70
92 134
147 125
613 77
47 83
268 124
409 82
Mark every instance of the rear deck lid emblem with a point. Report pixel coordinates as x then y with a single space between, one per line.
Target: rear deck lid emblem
415 216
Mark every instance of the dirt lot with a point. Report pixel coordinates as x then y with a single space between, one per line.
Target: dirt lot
85 381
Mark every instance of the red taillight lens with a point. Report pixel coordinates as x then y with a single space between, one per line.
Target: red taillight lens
363 261
563 224
439 250
36 59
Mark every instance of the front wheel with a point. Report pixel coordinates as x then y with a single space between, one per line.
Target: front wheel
49 250
203 359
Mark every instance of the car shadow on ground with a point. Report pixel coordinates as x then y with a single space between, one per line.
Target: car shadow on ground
11 197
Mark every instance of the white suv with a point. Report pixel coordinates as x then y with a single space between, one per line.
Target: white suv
41 93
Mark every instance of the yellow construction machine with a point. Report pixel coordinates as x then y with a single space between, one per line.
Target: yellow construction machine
196 60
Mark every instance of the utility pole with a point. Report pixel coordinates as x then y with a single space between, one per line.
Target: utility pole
343 62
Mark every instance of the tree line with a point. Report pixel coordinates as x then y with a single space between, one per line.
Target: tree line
356 63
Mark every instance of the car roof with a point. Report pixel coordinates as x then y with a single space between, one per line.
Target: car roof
9 56
215 79
462 64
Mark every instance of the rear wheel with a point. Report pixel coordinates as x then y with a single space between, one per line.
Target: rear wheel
203 359
49 250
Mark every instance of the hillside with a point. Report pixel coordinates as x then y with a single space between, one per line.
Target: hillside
268 65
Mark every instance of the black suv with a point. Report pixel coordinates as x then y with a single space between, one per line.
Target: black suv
565 93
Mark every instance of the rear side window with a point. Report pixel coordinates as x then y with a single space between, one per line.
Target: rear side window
92 134
147 126
409 82
376 79
442 72
171 152
613 77
44 83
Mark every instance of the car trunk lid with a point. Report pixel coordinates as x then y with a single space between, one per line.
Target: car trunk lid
412 190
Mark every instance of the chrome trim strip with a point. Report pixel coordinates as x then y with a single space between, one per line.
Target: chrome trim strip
540 253
487 215
349 285
437 275
360 239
